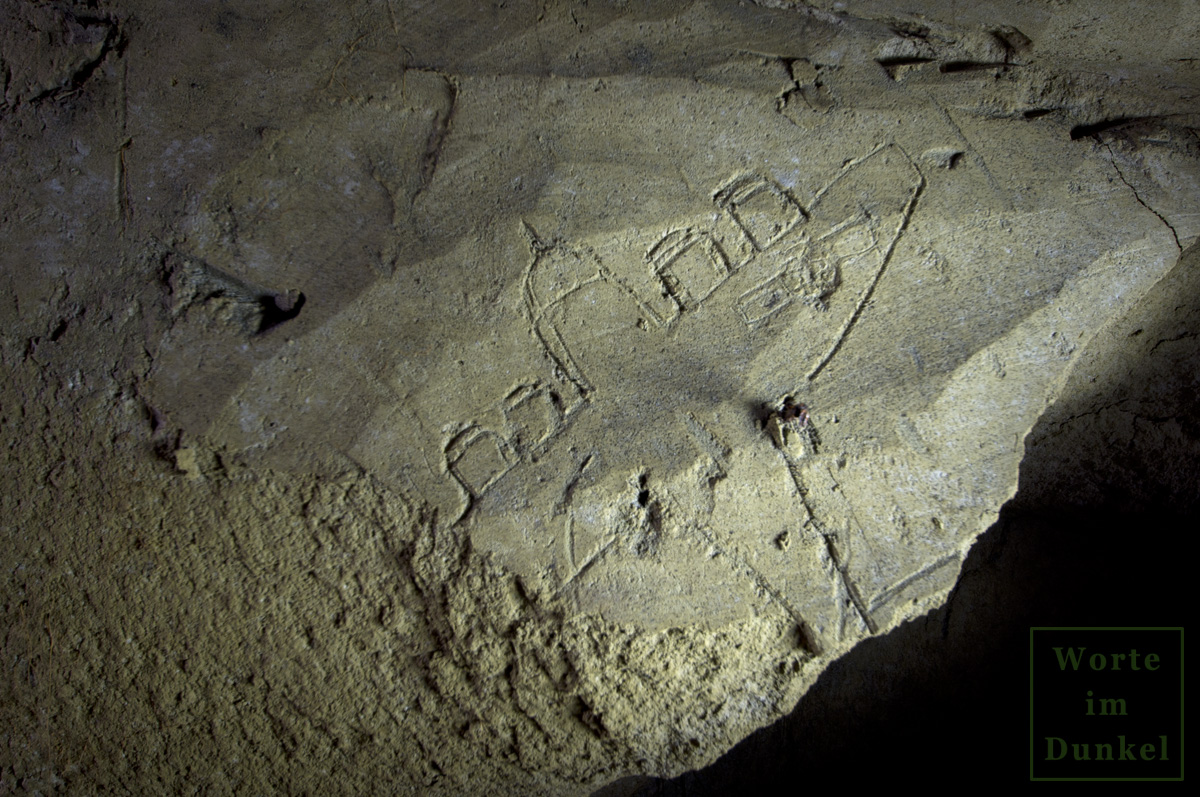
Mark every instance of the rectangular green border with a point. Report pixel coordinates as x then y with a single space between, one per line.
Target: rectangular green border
1033 628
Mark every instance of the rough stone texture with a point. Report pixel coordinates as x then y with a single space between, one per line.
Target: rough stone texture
406 400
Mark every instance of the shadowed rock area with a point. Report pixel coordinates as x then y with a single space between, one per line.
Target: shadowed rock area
523 397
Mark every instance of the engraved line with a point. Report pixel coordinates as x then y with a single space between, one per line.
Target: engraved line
707 441
842 497
121 194
569 488
570 369
588 564
851 588
845 170
842 613
843 567
976 156
570 541
891 592
866 294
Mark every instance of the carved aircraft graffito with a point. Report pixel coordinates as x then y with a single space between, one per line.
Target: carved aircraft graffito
809 269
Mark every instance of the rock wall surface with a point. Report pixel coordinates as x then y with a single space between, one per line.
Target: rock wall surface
509 398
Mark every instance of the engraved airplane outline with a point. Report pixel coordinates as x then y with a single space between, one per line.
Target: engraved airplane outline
691 267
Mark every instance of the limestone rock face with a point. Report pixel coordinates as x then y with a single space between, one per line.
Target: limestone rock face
513 397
